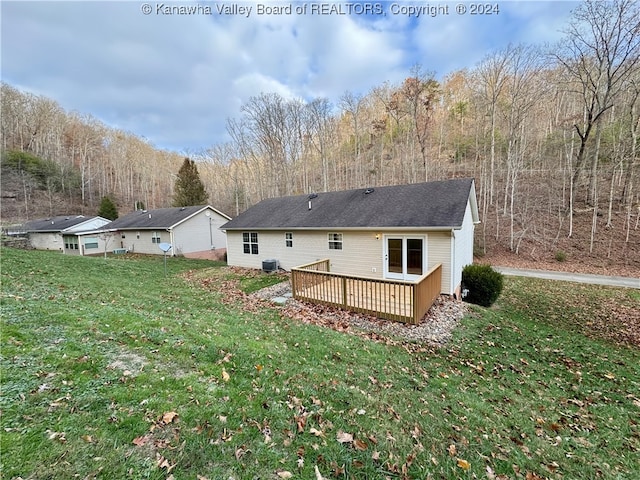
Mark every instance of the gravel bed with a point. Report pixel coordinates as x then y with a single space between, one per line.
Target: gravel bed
435 329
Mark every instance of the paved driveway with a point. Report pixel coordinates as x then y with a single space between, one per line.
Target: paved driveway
611 281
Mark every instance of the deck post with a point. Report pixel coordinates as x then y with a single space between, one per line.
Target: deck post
344 291
416 306
293 281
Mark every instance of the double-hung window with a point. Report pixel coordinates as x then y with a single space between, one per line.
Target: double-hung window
90 243
288 239
155 237
250 242
335 241
71 243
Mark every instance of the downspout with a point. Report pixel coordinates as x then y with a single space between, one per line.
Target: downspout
172 242
452 263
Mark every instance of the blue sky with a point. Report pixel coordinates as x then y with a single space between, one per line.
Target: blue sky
175 79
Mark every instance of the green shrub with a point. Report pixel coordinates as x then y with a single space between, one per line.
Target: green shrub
482 284
561 256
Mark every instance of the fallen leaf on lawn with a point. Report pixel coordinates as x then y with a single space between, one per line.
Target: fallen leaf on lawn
168 417
301 463
318 475
140 441
284 474
317 433
164 463
375 455
609 375
452 450
463 464
359 444
225 376
532 476
239 453
344 437
200 477
60 436
301 421
259 368
490 473
87 438
555 427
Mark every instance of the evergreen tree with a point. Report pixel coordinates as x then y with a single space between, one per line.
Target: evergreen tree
108 209
189 189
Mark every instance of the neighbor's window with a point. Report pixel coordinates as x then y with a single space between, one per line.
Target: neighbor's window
335 241
250 242
155 237
90 243
71 243
288 239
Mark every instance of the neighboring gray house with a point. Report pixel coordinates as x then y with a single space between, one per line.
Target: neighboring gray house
187 229
64 233
394 232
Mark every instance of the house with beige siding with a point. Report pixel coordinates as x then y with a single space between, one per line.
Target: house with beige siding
187 229
393 233
66 233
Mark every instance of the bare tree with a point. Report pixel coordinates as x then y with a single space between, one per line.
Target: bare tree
352 106
599 53
490 80
320 129
523 89
419 92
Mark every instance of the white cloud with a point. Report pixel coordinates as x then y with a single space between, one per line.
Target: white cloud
176 79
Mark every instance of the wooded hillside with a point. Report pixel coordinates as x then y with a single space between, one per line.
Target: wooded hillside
550 135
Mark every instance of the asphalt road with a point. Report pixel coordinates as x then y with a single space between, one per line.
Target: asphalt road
611 281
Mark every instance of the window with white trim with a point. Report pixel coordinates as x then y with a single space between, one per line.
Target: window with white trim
155 237
335 241
90 243
250 243
71 243
288 239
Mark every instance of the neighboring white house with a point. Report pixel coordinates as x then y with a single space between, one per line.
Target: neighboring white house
391 232
63 233
186 229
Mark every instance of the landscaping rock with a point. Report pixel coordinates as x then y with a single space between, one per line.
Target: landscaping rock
435 329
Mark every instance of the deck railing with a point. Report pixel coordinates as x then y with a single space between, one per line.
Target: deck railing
404 301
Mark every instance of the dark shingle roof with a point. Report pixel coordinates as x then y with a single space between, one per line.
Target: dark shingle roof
430 204
54 224
160 218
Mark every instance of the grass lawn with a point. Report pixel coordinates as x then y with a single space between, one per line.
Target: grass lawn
110 369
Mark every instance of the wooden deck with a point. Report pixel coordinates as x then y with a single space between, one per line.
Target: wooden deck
404 301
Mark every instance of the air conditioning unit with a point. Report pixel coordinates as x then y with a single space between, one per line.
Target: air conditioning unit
269 266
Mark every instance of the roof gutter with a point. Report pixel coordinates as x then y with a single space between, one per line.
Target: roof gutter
352 229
